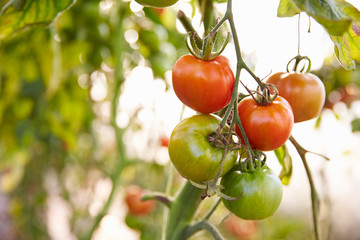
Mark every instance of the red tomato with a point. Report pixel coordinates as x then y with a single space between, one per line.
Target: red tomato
133 197
266 126
305 93
204 86
164 141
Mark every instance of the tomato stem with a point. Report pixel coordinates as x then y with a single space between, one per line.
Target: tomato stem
185 21
297 60
314 195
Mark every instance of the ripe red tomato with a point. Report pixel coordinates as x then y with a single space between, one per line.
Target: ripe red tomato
261 193
305 93
266 126
204 86
133 197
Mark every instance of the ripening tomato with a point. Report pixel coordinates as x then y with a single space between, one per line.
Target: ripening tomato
305 93
267 127
156 3
191 152
260 191
204 86
133 197
239 228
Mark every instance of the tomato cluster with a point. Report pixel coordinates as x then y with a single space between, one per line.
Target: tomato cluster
265 121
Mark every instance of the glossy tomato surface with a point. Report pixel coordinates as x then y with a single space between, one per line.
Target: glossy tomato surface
192 154
204 86
266 127
156 3
305 93
261 193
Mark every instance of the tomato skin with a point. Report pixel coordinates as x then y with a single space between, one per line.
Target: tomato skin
137 207
305 93
267 127
204 86
261 193
156 3
192 154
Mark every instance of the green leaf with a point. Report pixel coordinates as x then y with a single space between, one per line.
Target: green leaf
14 16
347 47
287 8
355 125
338 17
329 13
285 161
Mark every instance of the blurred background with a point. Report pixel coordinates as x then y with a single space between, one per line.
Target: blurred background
87 107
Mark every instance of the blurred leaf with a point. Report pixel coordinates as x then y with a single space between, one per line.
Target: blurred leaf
338 17
347 47
332 14
355 125
285 161
287 8
15 16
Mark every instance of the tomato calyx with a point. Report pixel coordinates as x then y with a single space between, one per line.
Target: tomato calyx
266 96
221 140
297 60
203 48
255 162
211 189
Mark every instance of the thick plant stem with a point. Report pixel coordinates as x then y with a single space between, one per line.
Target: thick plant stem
182 211
121 157
314 195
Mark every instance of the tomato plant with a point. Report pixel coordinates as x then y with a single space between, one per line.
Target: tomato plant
156 3
305 93
260 193
267 127
133 197
204 86
191 152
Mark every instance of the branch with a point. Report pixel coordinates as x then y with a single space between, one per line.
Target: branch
203 225
314 195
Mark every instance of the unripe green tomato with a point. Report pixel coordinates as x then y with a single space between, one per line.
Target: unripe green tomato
259 193
156 3
191 152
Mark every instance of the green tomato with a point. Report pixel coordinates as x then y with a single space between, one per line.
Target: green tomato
260 191
156 3
192 154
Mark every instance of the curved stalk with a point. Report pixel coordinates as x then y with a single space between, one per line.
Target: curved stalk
314 195
203 225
